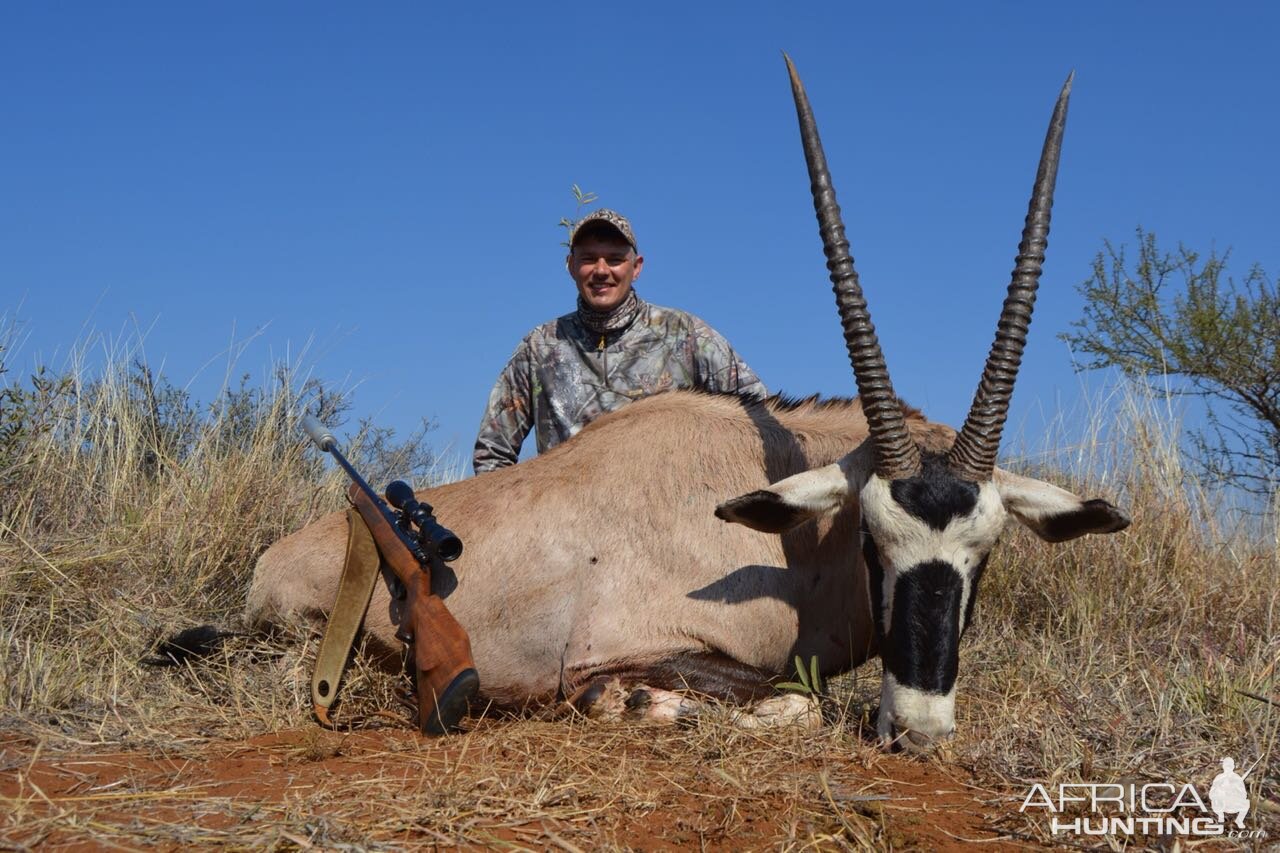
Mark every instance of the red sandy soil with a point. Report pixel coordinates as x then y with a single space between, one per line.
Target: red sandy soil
389 788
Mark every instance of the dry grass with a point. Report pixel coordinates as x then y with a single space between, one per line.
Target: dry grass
531 785
1129 658
1145 656
129 511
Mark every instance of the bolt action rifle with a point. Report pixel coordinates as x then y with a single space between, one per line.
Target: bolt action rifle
406 542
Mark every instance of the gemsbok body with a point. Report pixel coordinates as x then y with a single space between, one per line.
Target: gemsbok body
859 528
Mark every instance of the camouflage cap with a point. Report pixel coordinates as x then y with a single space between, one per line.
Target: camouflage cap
607 217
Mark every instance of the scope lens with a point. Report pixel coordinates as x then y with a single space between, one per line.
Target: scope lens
399 493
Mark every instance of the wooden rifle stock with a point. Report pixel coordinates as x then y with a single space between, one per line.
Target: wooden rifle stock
444 670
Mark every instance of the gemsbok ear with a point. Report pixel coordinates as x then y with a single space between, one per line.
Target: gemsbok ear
1054 514
789 502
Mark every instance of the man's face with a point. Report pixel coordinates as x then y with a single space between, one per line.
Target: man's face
604 266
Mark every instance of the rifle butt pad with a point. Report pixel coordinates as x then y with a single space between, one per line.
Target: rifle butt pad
440 710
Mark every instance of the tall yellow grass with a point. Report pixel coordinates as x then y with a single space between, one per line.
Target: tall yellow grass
129 510
1128 656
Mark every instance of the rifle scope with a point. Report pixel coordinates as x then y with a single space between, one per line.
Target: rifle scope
431 534
441 539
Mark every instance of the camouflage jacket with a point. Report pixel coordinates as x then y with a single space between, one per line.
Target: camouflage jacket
563 376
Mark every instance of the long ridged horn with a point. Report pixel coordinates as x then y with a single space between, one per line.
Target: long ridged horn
973 456
896 454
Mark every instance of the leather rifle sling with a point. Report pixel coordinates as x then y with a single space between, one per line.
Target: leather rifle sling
354 591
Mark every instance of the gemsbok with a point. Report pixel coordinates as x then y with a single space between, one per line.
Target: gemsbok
603 572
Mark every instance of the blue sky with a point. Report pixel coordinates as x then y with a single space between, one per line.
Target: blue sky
383 181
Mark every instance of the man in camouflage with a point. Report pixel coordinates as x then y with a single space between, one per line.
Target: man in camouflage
614 349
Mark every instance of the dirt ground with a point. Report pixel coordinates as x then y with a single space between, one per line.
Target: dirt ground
504 785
